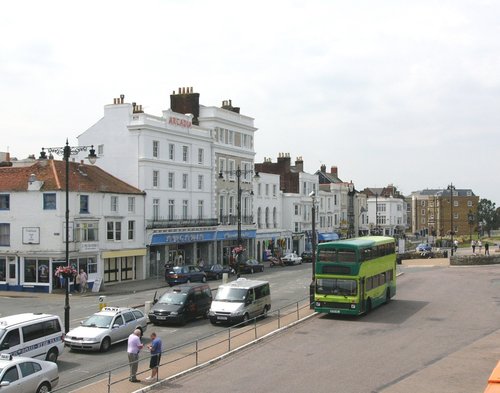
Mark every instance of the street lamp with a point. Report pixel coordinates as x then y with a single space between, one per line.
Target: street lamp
451 188
312 287
351 193
66 152
470 218
238 173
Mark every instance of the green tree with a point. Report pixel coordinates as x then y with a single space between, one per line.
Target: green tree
487 215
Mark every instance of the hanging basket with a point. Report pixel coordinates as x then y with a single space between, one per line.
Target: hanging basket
65 271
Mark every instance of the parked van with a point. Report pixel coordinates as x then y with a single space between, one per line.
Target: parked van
240 300
33 335
181 304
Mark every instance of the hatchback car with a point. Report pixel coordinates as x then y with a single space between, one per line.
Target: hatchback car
291 259
307 256
216 271
107 327
251 266
184 274
424 247
21 374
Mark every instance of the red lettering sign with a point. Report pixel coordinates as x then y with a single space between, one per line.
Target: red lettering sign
179 122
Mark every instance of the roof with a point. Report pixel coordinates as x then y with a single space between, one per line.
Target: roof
82 178
366 241
326 178
244 283
22 318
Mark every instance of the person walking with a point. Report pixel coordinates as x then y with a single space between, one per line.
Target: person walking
486 248
479 246
473 245
83 278
155 347
133 348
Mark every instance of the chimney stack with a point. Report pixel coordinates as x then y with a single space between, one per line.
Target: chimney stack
186 102
299 164
334 171
323 168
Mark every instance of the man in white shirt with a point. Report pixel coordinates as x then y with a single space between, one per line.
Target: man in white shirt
133 349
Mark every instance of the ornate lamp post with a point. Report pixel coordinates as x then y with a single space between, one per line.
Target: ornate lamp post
66 152
451 188
350 211
238 173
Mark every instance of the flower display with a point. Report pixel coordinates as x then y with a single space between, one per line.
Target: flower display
238 249
65 271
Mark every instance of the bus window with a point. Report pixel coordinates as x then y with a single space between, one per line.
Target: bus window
347 255
328 256
336 286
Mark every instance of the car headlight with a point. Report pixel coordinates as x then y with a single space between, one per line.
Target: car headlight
174 313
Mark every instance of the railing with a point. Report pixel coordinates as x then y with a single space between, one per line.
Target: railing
177 360
176 223
233 220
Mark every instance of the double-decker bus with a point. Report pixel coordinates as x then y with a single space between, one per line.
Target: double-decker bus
354 275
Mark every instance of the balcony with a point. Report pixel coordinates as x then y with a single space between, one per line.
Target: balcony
233 220
181 223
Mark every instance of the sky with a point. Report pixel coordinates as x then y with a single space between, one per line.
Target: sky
391 92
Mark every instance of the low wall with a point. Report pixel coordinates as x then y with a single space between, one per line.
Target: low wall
470 260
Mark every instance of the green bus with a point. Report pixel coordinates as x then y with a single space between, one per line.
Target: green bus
353 276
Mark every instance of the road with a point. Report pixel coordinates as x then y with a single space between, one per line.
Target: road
437 314
288 285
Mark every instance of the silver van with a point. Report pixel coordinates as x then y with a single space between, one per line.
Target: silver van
240 300
33 335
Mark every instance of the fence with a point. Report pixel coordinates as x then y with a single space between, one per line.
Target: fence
179 359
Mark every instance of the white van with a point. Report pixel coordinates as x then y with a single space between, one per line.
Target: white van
33 335
240 300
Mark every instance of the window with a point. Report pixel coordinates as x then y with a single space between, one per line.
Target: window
131 204
4 202
4 234
114 203
131 230
185 154
156 178
36 270
11 339
171 209
200 182
11 375
156 209
297 210
231 164
222 165
267 189
49 201
100 150
114 230
87 231
84 204
185 209
455 203
200 209
274 190
171 178
469 203
184 181
259 189
455 216
28 368
200 156
171 151
156 148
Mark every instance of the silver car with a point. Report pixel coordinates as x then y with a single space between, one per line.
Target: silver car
107 327
21 374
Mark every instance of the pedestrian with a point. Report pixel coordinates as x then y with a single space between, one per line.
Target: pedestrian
133 348
155 347
479 246
455 245
486 248
473 245
77 283
83 281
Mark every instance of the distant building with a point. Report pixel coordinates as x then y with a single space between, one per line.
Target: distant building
106 225
386 211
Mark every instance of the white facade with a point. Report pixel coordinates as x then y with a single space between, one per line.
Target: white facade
386 216
103 226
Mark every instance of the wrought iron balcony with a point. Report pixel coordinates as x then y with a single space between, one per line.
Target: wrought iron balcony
233 220
181 223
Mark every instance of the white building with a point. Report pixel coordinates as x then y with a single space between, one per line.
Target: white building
386 211
106 221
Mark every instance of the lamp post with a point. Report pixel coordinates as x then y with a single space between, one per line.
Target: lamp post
451 188
350 212
376 215
238 173
66 152
312 287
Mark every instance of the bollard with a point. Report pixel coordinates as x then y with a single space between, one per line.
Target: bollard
102 302
147 306
225 278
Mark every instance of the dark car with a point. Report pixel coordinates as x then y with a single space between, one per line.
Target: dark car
181 304
307 256
184 274
215 272
251 266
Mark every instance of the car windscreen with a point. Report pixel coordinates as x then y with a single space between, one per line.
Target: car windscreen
100 321
173 298
225 294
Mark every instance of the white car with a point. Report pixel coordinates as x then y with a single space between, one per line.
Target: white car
107 327
291 259
21 374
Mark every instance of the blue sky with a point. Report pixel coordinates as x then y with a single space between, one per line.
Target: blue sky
396 92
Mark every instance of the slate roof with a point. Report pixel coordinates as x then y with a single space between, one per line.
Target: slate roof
82 178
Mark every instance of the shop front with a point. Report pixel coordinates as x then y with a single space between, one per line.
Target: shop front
123 265
227 242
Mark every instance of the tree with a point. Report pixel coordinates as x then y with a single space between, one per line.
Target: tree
487 215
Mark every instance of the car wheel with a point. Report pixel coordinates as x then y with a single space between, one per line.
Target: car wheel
246 317
203 279
105 344
264 313
52 355
43 388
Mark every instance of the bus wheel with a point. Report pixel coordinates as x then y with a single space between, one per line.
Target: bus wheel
368 305
387 296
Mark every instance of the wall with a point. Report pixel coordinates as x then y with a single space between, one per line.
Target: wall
471 260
